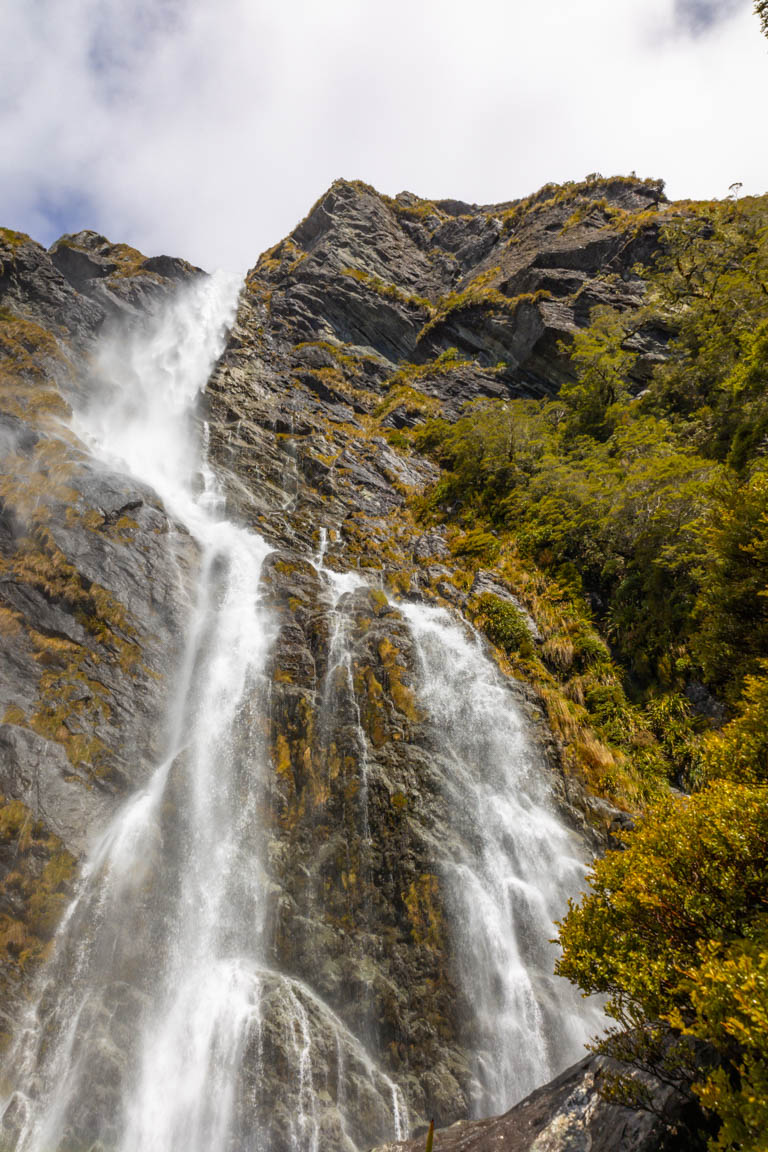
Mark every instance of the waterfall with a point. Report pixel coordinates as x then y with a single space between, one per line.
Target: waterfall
510 867
338 703
507 861
158 1025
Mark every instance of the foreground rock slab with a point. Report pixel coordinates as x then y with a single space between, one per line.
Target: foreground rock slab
571 1115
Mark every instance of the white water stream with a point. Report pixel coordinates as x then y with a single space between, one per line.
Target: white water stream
507 860
338 696
158 988
509 867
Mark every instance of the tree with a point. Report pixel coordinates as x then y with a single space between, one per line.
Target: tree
761 8
675 933
710 286
732 607
602 366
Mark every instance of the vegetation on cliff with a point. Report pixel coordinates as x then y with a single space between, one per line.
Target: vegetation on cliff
646 501
650 508
761 8
675 933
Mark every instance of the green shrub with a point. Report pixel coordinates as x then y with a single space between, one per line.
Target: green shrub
505 625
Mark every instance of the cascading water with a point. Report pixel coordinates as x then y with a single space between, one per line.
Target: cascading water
339 703
512 864
157 1022
507 860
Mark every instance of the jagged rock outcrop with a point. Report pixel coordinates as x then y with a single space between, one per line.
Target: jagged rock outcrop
375 312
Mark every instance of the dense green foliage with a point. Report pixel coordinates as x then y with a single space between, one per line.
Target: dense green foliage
675 929
643 495
675 932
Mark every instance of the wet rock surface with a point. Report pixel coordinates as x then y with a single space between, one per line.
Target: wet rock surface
357 804
95 578
294 1026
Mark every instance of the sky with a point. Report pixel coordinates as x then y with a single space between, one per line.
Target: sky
207 128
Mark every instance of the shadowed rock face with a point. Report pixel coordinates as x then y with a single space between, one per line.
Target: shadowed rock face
371 315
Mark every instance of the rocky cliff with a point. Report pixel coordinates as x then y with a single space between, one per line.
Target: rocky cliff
92 582
373 314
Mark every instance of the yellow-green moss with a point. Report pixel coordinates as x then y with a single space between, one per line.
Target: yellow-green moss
72 703
12 239
554 195
30 360
481 293
402 696
386 290
34 890
422 901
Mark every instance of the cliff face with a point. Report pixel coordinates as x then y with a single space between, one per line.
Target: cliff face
371 315
92 583
375 311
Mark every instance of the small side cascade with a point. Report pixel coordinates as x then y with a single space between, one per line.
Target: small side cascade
339 703
511 867
507 861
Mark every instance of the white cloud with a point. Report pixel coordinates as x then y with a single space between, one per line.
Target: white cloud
208 130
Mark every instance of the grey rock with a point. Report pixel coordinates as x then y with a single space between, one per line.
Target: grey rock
571 1115
37 772
704 703
429 546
